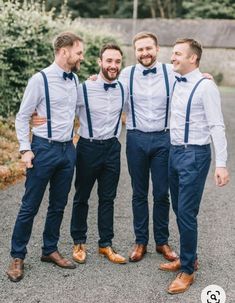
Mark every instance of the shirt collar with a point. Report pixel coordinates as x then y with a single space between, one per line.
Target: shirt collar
193 75
101 80
57 69
141 67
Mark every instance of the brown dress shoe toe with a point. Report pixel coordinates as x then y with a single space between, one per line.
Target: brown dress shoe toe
167 252
111 255
15 271
57 259
175 266
79 253
138 253
182 282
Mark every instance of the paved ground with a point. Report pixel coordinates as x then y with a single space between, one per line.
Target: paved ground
100 281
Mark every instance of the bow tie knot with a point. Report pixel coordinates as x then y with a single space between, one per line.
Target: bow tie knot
68 75
149 70
181 79
108 85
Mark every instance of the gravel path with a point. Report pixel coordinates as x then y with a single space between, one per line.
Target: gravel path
101 281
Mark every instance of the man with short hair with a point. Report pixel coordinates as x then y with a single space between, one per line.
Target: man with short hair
148 141
50 157
98 153
196 118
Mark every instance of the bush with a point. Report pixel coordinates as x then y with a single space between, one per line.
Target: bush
25 47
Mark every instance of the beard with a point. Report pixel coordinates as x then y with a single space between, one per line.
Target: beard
107 75
149 63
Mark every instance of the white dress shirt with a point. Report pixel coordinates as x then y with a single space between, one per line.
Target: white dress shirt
149 95
63 100
105 107
206 119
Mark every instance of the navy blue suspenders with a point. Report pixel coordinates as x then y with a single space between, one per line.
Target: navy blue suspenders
48 107
131 95
122 91
186 131
88 110
167 94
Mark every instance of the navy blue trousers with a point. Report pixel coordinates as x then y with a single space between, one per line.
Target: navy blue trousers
188 169
148 153
99 161
53 163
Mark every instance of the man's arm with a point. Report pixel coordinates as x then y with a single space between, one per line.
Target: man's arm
212 105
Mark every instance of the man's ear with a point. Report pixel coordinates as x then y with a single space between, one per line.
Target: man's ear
99 62
193 58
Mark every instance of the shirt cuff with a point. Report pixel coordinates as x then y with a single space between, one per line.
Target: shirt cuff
25 146
220 164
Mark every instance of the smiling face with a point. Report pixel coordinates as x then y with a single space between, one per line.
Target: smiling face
110 64
146 51
184 60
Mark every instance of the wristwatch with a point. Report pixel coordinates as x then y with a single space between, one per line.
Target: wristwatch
23 151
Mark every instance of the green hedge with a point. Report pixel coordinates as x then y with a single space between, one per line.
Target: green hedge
27 31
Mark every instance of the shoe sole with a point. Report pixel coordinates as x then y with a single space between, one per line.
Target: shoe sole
178 292
104 256
78 261
53 262
168 259
15 280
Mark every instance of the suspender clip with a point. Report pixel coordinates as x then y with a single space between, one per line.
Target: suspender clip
91 140
185 145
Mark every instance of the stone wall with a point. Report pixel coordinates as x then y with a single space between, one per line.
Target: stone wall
216 36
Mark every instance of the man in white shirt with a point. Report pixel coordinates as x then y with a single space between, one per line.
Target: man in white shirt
150 86
196 118
100 105
50 158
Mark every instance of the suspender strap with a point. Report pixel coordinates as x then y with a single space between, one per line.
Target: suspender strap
131 95
75 80
122 91
87 110
186 131
167 92
47 105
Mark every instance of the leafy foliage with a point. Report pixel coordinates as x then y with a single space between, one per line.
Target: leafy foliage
27 30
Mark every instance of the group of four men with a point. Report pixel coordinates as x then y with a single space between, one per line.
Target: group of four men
146 92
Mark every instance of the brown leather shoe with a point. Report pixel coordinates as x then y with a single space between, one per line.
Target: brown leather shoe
167 252
138 252
181 283
175 266
15 271
79 253
57 259
110 254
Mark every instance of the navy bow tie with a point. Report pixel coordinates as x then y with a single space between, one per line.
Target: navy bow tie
108 85
67 75
179 79
150 70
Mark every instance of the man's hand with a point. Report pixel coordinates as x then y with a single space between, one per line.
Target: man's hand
221 176
27 158
208 76
37 120
93 77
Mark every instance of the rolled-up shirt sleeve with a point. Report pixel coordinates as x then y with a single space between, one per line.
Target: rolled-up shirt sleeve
32 97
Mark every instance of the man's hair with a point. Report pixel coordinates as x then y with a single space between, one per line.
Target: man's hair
143 35
194 45
109 46
65 39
